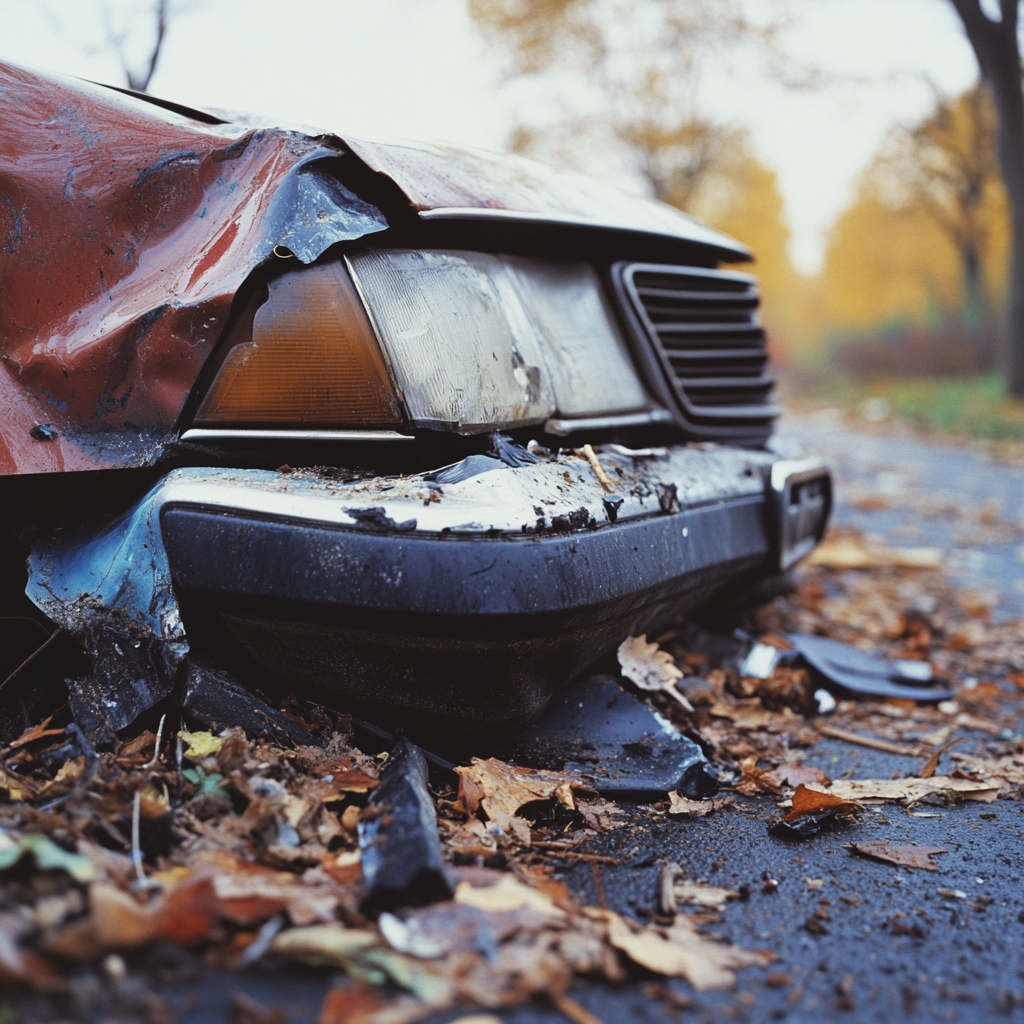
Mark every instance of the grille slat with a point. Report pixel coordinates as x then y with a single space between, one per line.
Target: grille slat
704 327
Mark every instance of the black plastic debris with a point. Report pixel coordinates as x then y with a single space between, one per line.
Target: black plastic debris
513 454
806 826
596 729
132 671
472 465
217 700
848 669
861 672
402 860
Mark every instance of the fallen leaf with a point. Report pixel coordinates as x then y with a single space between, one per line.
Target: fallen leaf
847 552
791 776
18 787
200 744
650 668
919 857
910 791
678 804
358 952
1008 770
353 1004
507 894
501 789
681 952
354 781
817 801
67 775
933 762
48 855
704 895
598 813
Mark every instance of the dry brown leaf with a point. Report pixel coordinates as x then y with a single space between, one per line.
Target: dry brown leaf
352 1004
650 668
933 762
819 801
501 788
695 808
910 791
848 552
791 776
681 952
507 894
1009 770
68 774
704 895
598 813
919 857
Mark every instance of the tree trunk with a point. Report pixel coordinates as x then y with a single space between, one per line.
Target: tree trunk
996 48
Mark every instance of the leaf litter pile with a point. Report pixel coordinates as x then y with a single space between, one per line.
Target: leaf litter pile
245 852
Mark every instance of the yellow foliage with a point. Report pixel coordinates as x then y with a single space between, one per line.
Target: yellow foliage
929 208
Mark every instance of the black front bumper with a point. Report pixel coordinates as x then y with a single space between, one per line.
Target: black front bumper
482 628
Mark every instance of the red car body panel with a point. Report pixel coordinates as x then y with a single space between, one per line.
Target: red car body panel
125 232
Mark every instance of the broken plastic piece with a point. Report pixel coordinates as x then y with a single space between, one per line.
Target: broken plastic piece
861 672
760 661
217 700
825 701
597 730
472 465
513 454
401 853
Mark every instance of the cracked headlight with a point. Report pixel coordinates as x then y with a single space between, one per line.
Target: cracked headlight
480 342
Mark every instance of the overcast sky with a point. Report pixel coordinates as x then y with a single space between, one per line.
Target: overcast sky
416 68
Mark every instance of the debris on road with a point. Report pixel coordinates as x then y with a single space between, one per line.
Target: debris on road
918 857
813 810
400 850
617 743
214 698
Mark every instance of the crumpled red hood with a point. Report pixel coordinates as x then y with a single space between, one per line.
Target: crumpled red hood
126 229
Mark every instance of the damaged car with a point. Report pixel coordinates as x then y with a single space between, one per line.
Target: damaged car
414 431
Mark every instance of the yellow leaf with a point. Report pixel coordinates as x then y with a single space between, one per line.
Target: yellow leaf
200 744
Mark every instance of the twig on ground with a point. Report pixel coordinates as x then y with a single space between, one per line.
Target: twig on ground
156 748
848 736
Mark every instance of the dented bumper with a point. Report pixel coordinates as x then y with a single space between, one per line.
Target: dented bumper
441 594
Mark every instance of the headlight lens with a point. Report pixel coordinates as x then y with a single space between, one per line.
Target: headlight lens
312 360
480 342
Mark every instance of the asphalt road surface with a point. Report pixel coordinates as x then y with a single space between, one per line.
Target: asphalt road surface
886 944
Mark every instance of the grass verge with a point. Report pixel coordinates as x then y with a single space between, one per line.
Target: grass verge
976 407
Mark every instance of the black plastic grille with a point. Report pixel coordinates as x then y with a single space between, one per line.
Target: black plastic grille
704 327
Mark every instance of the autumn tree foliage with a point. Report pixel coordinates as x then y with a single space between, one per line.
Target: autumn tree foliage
920 256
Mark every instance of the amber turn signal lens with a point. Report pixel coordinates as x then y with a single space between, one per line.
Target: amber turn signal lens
313 360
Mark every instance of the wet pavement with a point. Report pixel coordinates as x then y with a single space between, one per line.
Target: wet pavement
915 491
